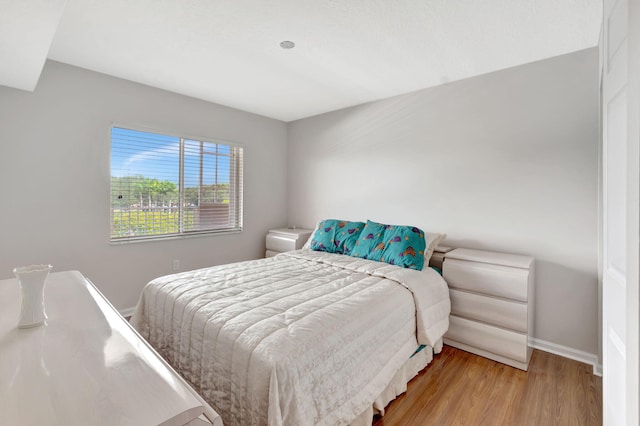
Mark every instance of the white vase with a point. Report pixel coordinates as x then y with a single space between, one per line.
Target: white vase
32 279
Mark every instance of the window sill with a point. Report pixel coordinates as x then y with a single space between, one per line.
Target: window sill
149 239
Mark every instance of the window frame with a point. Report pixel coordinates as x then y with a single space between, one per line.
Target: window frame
237 188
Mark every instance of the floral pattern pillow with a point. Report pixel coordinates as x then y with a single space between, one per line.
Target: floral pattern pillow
336 236
397 245
371 242
347 234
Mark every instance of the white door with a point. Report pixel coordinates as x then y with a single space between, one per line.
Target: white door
620 96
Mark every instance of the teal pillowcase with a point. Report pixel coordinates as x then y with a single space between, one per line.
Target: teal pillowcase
397 245
346 235
370 244
323 238
336 236
404 246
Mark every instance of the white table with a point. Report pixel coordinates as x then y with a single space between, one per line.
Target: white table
86 365
285 239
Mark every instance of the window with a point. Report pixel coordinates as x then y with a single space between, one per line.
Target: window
164 185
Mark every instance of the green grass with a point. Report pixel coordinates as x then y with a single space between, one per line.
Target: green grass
126 223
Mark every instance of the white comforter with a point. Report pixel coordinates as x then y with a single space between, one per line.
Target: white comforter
298 339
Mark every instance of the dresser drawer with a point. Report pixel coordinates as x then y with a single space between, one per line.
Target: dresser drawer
280 243
509 344
504 313
494 280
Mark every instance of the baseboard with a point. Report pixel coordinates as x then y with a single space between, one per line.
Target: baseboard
127 312
567 352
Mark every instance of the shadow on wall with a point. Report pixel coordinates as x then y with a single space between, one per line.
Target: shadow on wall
570 315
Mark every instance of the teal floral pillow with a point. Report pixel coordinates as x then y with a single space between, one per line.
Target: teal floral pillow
397 245
336 236
323 239
404 246
346 236
370 243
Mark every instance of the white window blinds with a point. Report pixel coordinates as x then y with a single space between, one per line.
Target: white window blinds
164 185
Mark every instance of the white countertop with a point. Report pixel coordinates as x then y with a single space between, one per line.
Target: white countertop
86 365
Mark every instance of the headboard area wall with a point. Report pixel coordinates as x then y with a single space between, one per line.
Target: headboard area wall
507 161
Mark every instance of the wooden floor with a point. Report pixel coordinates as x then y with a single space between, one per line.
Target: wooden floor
459 388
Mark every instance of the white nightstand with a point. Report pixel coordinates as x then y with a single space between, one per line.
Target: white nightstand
286 239
491 304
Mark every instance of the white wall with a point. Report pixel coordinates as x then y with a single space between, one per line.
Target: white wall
507 161
54 174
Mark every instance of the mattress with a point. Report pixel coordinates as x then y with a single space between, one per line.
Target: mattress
301 338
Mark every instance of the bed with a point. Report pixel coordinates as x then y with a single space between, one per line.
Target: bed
305 337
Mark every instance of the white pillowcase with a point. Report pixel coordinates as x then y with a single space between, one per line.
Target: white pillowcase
307 245
431 241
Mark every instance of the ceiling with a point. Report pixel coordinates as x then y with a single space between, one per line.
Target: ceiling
347 51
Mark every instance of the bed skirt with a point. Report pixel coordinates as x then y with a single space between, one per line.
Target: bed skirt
398 385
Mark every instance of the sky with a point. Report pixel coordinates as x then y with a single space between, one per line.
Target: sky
156 156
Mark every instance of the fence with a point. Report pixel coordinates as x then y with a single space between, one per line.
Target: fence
162 220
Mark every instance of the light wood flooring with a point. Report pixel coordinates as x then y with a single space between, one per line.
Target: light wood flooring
459 388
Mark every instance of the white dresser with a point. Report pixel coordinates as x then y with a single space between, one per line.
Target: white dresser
286 239
86 365
491 304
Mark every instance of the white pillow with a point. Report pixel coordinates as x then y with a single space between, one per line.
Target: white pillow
307 245
431 242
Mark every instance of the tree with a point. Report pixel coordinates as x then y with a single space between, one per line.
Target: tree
140 191
128 191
